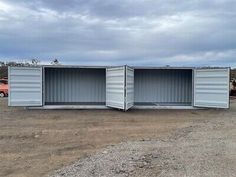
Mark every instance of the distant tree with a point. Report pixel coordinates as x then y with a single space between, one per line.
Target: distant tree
27 64
233 73
234 83
35 62
2 63
12 63
55 62
4 66
3 70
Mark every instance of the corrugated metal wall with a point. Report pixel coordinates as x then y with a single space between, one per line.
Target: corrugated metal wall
75 85
129 87
25 86
211 88
162 86
115 87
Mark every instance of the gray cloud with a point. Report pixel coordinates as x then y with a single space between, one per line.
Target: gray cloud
120 32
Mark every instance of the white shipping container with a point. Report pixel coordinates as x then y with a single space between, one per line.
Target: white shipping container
121 87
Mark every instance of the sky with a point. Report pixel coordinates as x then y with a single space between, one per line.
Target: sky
118 32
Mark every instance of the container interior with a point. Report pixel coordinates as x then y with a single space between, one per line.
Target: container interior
163 87
75 86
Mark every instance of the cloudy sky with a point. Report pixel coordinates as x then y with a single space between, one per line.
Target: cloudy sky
116 32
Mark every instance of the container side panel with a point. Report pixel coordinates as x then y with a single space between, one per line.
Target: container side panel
25 86
115 87
162 87
211 88
129 88
75 86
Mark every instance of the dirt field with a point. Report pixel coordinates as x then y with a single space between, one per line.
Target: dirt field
37 142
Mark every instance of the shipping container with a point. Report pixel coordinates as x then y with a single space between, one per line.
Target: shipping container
121 87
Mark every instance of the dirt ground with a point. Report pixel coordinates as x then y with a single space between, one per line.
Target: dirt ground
37 142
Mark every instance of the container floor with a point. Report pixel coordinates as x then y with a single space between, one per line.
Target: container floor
162 104
76 103
136 104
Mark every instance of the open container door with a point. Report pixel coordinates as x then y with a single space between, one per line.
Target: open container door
129 91
115 87
211 87
25 86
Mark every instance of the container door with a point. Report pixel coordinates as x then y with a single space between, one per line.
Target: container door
129 88
115 87
211 88
25 86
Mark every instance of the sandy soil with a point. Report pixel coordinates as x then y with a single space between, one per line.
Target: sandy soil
37 142
204 149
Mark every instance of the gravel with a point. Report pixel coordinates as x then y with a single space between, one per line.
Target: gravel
205 148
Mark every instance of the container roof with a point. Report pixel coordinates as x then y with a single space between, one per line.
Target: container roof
74 66
134 67
157 67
